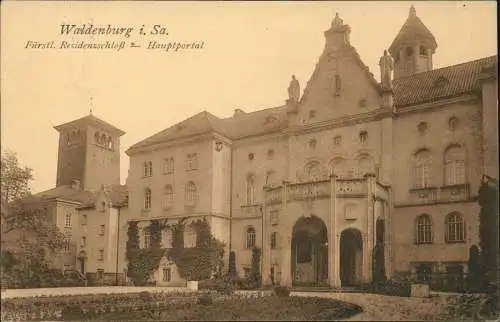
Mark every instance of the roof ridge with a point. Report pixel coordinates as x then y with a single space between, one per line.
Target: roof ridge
445 67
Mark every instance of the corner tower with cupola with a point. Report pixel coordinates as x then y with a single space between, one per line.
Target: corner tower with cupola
413 47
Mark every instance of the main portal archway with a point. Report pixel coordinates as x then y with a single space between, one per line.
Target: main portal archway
309 252
351 257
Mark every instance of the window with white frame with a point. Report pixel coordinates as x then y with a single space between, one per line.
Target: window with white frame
67 245
455 228
250 189
423 229
146 237
148 169
191 161
147 198
168 197
190 237
167 274
191 193
67 220
422 169
250 237
168 166
454 165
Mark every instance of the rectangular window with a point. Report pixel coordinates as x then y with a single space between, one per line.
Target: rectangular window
84 241
148 169
338 85
168 166
167 274
84 219
191 162
100 274
101 255
67 220
102 228
67 245
167 238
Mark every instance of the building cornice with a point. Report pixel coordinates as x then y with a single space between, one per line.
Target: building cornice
468 98
193 139
348 120
435 203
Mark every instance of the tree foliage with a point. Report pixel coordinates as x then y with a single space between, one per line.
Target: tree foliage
488 228
15 178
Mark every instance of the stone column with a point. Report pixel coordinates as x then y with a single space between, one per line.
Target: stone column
266 246
388 209
286 237
333 258
369 236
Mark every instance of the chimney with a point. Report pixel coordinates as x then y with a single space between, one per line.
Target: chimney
75 184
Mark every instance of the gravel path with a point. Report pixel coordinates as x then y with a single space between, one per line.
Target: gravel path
389 308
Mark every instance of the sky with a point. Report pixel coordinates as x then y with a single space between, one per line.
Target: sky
250 50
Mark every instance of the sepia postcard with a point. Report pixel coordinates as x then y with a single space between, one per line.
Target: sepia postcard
217 160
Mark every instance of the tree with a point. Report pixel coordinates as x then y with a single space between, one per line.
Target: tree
15 178
474 271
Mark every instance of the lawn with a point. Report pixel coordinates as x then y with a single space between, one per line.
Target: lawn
264 308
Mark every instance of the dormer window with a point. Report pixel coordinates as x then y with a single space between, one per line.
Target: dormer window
423 51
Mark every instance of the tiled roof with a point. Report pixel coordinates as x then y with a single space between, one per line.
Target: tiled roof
91 119
238 126
440 83
66 193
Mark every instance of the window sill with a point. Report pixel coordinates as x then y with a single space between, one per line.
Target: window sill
455 242
424 243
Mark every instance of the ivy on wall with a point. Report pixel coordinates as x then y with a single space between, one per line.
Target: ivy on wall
196 263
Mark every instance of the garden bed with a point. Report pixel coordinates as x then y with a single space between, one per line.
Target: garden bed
250 309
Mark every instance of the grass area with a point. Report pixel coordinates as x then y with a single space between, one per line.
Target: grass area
264 308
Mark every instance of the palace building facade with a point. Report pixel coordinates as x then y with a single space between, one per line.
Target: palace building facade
348 174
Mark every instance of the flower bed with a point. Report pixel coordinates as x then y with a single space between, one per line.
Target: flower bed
76 307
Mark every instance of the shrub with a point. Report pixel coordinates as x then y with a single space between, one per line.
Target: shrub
282 291
205 299
224 285
393 288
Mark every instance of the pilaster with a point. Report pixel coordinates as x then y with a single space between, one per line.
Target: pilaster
333 258
266 245
286 234
388 210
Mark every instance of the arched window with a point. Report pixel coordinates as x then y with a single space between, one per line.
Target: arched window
271 178
455 228
365 165
454 165
423 51
250 186
147 198
147 237
168 197
422 169
109 142
250 237
313 170
423 229
103 139
191 192
337 167
274 238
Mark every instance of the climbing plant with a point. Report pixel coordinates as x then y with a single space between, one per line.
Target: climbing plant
142 262
199 262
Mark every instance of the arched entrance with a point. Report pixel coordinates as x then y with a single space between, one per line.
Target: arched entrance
351 257
309 252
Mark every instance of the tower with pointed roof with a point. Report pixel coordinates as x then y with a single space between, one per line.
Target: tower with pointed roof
413 47
89 153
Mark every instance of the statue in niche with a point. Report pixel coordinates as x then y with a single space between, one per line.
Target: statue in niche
294 90
386 67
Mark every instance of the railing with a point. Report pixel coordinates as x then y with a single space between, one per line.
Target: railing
309 190
351 186
274 195
439 194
